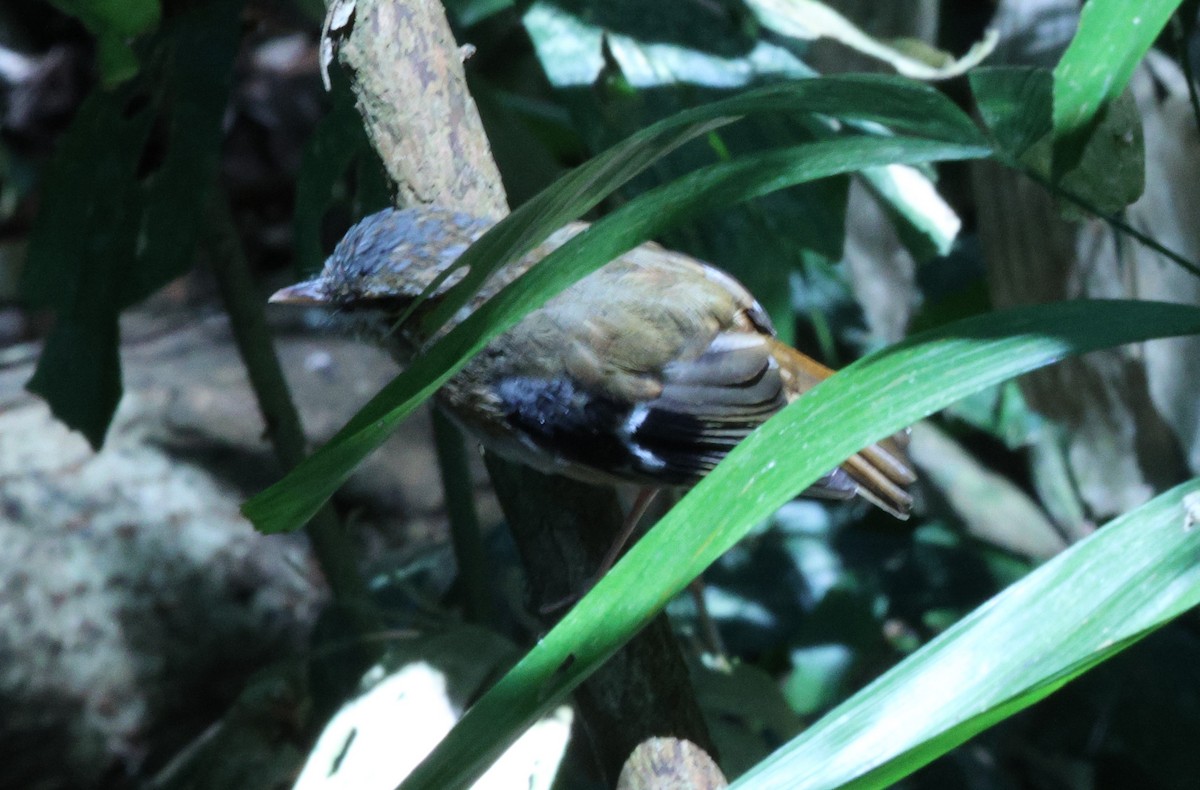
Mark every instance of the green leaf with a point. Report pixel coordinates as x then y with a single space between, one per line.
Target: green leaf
289 503
1109 168
872 398
1088 603
201 46
1113 36
80 249
1109 173
103 239
117 60
114 23
1112 169
79 373
120 18
1014 102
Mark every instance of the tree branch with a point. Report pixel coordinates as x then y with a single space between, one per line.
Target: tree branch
409 82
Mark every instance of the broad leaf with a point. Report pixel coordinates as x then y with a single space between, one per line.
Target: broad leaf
1014 102
80 249
106 235
200 50
1109 167
115 23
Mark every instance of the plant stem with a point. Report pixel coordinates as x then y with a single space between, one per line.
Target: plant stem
464 522
1111 219
332 546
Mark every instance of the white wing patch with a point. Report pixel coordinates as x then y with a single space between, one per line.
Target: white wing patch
628 431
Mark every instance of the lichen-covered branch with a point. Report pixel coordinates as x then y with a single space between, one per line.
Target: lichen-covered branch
408 78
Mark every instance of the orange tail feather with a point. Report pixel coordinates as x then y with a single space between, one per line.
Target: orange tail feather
882 471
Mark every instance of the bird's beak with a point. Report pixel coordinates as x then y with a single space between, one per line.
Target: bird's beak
307 292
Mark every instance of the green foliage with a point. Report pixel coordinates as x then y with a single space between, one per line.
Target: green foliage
1108 166
1014 103
1112 38
109 234
119 217
80 250
114 23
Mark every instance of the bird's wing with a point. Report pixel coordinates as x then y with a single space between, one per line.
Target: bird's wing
669 364
707 404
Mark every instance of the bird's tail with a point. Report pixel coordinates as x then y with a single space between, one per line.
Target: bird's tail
881 472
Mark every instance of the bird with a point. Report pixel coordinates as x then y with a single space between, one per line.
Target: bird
647 371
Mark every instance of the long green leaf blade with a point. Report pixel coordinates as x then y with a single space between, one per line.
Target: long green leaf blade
1091 601
1113 37
903 107
289 503
871 399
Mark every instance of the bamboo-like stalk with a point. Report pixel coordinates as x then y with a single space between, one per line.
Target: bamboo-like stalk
332 546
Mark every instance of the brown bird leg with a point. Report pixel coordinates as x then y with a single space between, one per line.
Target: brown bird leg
641 504
710 636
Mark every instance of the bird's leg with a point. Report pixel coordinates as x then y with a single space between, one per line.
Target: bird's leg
641 504
709 635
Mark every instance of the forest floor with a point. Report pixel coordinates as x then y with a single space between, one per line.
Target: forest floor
136 601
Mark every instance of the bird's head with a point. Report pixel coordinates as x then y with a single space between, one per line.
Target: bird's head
391 255
384 263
